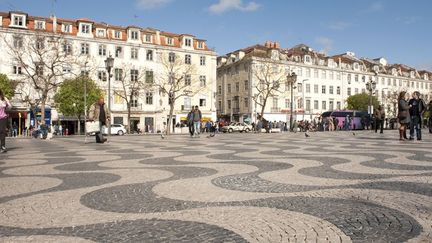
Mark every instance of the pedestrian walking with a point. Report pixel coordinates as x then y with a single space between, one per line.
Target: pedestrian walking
4 105
60 130
430 116
403 115
417 107
190 122
100 113
196 117
379 118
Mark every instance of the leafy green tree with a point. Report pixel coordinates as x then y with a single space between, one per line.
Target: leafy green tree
361 101
7 86
70 96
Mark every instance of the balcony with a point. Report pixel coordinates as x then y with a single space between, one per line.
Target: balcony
275 109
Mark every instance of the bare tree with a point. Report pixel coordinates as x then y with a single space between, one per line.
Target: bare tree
42 60
132 82
270 79
391 100
177 79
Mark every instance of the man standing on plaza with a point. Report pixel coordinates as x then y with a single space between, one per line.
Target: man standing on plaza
430 116
99 113
190 122
379 119
417 107
196 117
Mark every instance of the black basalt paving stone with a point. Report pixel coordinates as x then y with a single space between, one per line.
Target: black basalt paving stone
395 166
69 182
152 230
361 220
417 188
84 166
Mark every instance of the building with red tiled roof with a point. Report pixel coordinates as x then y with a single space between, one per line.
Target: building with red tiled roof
323 82
138 52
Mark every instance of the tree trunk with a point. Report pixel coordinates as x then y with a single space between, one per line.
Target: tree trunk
42 108
129 118
168 128
79 125
262 109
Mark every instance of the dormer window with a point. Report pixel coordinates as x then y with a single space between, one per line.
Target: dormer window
117 34
307 59
169 41
376 68
188 42
356 66
39 25
67 28
18 20
100 32
412 74
85 28
148 38
425 76
201 45
393 71
134 35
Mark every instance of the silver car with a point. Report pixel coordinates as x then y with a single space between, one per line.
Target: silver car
237 127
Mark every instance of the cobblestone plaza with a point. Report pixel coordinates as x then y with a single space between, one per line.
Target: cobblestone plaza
330 187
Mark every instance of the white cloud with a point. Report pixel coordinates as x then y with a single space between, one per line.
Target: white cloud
325 43
151 4
228 5
375 7
339 25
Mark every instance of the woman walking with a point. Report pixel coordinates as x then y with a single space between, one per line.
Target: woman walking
4 104
403 114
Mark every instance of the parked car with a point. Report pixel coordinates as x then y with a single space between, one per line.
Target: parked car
237 127
118 129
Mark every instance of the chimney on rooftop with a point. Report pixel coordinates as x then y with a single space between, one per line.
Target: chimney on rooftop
272 44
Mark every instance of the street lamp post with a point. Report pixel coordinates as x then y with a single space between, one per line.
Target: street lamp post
85 101
292 79
370 86
303 98
109 63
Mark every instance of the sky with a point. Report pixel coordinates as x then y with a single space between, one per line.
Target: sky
397 30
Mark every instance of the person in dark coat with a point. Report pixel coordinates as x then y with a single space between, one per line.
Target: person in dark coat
190 123
379 119
417 107
403 115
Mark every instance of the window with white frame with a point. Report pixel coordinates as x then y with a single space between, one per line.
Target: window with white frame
338 105
100 32
338 90
188 79
324 105
246 102
315 73
275 103
149 55
102 76
39 69
202 60
307 59
316 104
16 69
85 28
331 105
18 20
324 74
102 50
331 89
18 41
246 85
202 79
201 45
148 38
67 68
117 34
308 88
118 52
134 53
118 74
67 28
39 25
316 88
188 59
349 78
171 57
188 42
134 99
169 41
85 48
134 75
229 88
202 102
308 72
149 98
134 35
287 103
331 75
356 66
323 89
67 48
356 91
40 43
356 78
348 91
308 105
338 75
149 77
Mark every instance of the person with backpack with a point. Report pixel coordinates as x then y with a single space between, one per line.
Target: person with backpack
190 123
196 117
417 107
4 105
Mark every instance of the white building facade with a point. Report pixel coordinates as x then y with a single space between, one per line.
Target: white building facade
323 82
137 51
